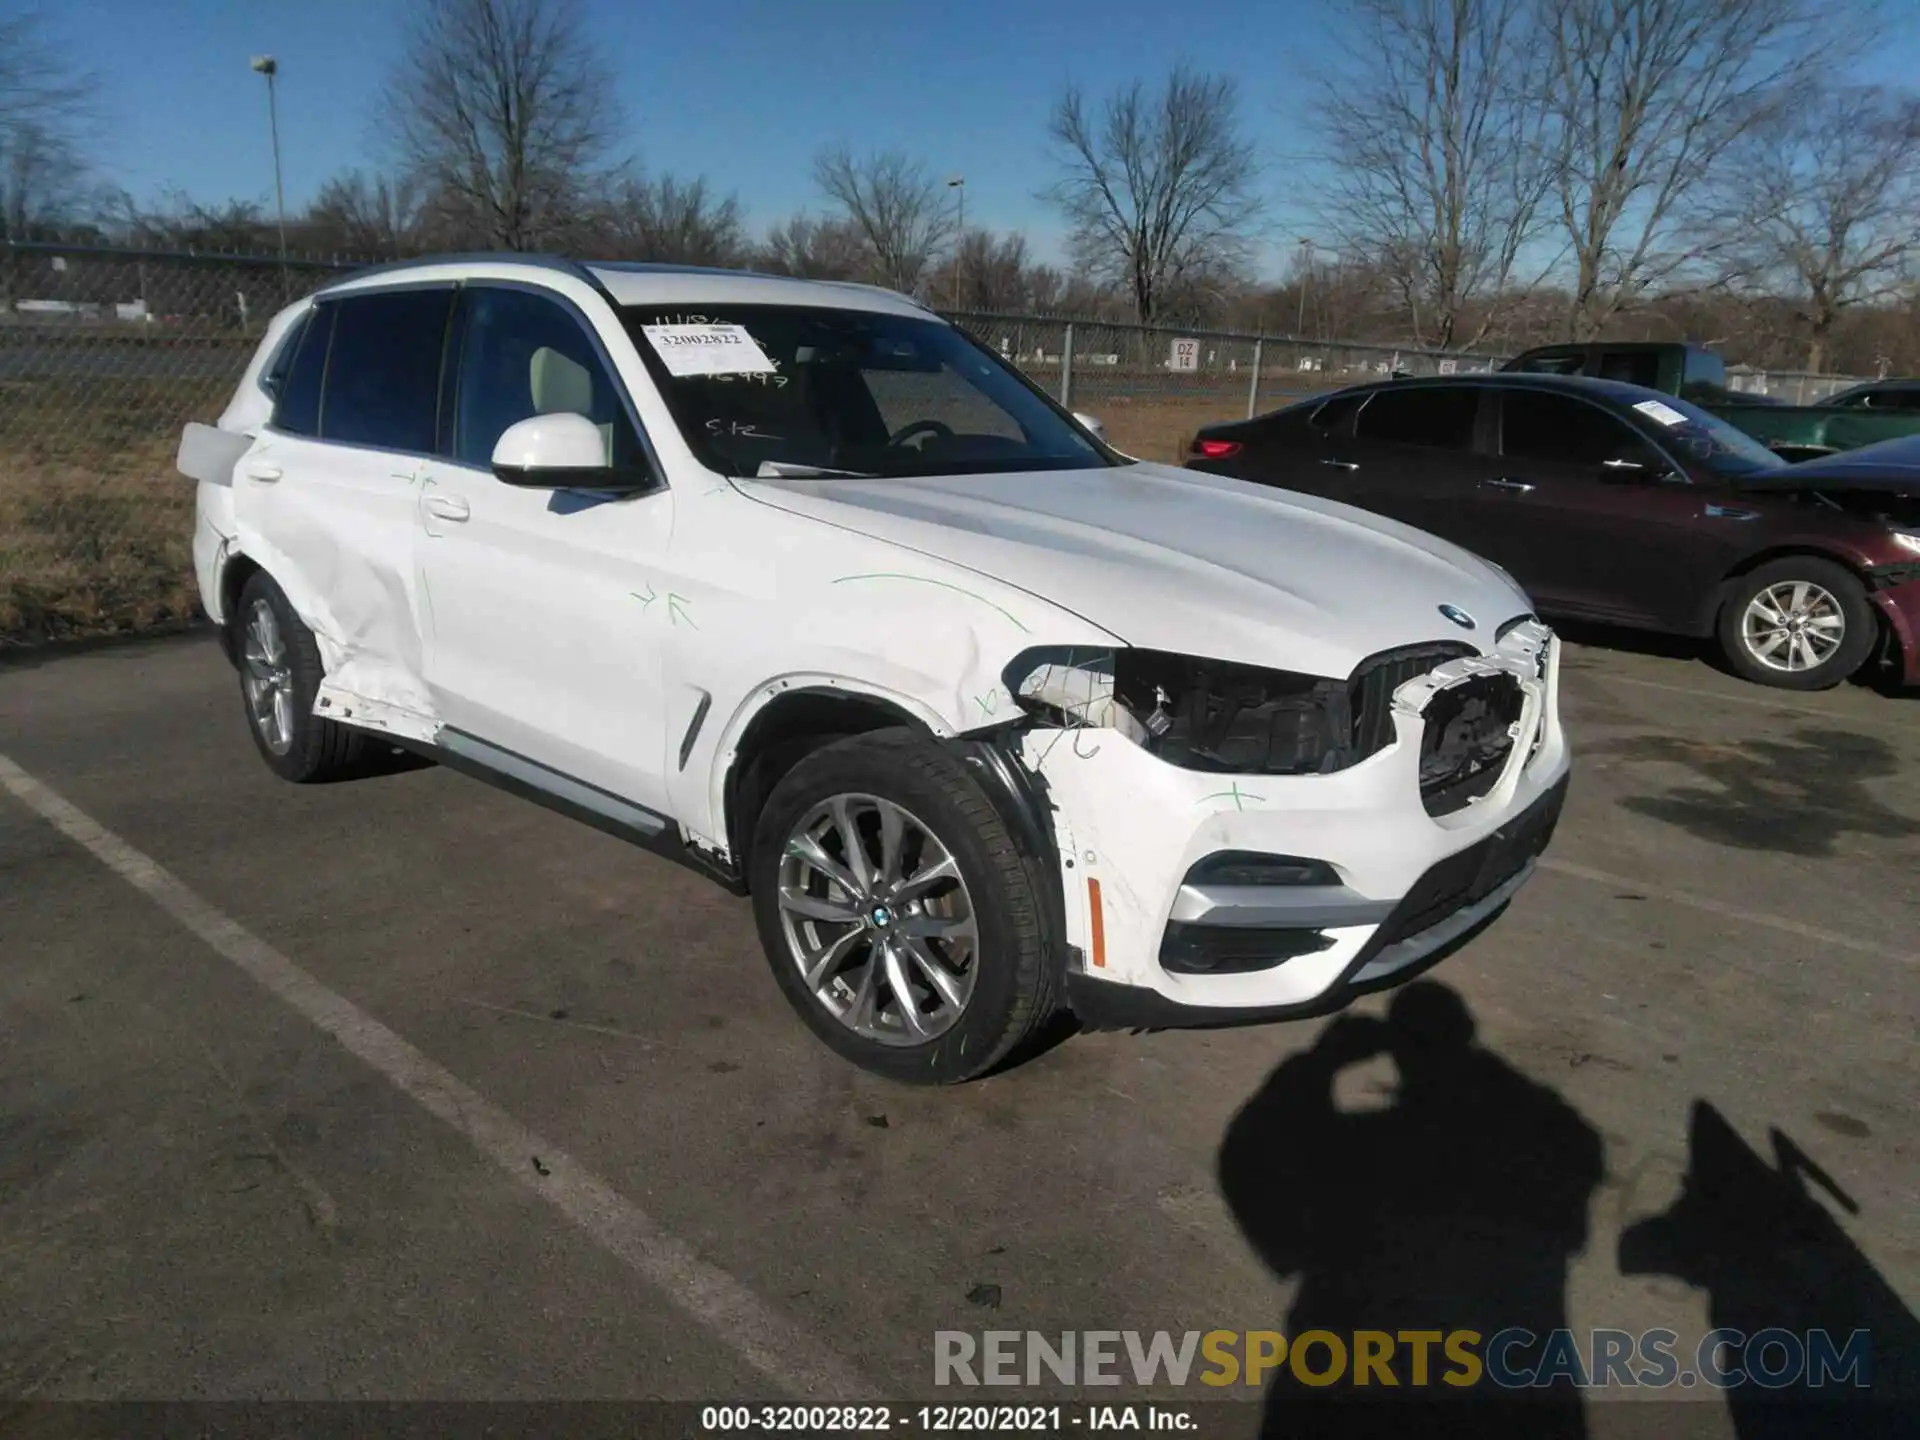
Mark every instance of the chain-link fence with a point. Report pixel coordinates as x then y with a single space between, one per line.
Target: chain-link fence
105 354
1794 387
1152 387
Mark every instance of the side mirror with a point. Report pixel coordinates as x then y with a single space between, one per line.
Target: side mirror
1092 426
562 451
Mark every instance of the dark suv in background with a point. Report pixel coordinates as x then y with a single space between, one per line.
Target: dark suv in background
1616 503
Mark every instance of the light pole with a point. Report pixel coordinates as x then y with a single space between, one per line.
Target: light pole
266 65
958 184
1306 278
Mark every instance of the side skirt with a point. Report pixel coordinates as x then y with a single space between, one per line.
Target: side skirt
576 799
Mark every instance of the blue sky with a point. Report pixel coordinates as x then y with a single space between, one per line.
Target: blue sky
742 91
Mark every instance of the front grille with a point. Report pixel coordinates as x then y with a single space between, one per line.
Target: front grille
1468 734
1370 690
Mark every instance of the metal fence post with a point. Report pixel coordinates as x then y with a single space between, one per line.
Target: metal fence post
1253 385
1066 369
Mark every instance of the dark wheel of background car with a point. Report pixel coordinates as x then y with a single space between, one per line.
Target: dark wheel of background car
1799 623
898 916
280 672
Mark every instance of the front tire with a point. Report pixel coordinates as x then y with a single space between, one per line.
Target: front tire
280 673
896 912
1797 623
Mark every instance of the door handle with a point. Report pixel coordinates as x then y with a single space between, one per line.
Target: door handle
448 507
1519 487
1341 464
265 474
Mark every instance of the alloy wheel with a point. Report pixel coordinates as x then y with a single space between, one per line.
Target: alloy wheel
878 920
267 678
1793 626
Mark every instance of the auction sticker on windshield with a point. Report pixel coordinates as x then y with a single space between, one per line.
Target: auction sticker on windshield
708 350
1660 413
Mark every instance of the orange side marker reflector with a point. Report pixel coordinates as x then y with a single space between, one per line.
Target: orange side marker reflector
1098 923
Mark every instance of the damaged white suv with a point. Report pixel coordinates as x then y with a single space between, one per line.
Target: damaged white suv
794 582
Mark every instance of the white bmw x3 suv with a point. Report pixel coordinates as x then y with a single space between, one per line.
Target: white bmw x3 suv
797 584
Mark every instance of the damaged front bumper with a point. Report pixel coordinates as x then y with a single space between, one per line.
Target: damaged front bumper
1385 887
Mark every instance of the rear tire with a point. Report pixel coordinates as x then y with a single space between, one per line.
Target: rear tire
280 673
969 946
1798 623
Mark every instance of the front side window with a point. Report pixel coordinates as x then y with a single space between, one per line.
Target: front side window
383 376
524 355
1435 416
855 392
1563 430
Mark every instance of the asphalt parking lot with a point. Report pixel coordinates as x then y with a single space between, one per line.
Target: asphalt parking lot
263 1110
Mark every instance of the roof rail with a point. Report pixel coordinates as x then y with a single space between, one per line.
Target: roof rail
492 257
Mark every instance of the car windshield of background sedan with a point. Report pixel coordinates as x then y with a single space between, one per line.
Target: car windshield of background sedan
1712 442
849 393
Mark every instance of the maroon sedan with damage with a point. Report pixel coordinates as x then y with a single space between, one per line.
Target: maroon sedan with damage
1618 504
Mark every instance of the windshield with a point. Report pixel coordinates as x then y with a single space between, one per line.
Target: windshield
810 391
1708 439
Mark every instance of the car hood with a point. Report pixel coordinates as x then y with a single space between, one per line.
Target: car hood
1890 466
1180 560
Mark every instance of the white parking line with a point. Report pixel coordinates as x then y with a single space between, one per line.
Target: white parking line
1725 911
797 1362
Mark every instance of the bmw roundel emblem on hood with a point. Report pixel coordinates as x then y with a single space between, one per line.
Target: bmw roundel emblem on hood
1457 616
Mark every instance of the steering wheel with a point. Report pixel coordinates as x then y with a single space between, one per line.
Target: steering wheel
937 428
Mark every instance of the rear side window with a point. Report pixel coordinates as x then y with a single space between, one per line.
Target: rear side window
1434 416
273 379
1564 362
383 374
296 408
1337 413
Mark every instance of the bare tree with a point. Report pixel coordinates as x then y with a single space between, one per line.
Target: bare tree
1156 186
46 119
1821 205
1431 137
815 249
985 271
899 210
507 115
1643 98
357 214
674 221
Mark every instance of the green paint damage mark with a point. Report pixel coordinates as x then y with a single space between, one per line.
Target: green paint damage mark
944 585
1233 793
988 702
677 611
646 599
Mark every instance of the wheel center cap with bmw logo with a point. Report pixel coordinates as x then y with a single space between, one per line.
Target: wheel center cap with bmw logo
881 917
1457 616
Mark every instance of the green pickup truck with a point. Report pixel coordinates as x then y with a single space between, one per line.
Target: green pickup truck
1878 410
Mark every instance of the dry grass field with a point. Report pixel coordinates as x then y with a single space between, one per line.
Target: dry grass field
95 523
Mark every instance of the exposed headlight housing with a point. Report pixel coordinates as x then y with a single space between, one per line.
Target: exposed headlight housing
1219 716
